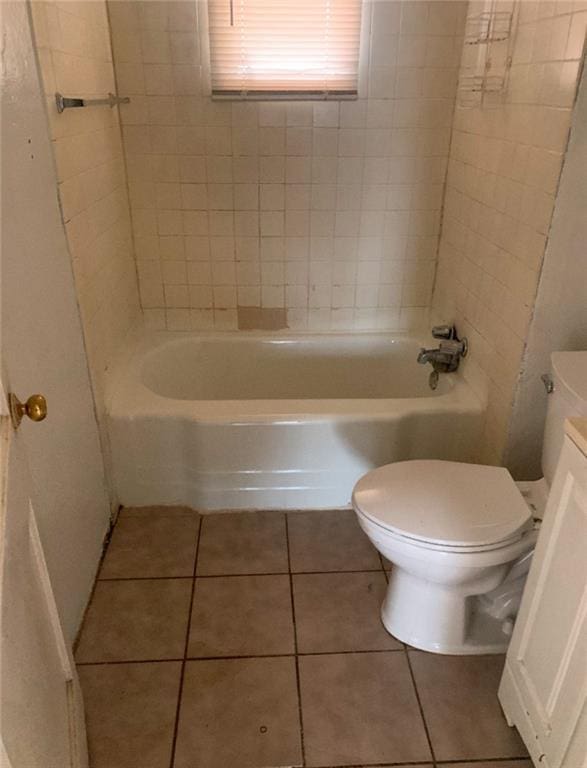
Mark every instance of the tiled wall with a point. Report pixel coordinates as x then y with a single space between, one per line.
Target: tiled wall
504 169
73 43
317 215
560 315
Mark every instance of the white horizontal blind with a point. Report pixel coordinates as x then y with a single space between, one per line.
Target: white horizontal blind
284 47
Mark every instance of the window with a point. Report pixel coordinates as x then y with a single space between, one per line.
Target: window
284 48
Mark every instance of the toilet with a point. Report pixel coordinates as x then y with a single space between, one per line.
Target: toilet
460 537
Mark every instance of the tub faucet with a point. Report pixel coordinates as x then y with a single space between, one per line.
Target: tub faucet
447 356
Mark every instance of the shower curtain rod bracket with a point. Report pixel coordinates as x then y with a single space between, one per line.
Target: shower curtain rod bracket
65 102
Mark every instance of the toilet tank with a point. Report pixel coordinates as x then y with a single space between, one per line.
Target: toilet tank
569 398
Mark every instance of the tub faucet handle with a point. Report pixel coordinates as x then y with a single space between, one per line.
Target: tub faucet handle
444 332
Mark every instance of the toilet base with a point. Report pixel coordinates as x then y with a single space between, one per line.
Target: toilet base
443 622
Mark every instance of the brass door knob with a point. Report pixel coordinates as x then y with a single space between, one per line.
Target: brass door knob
35 408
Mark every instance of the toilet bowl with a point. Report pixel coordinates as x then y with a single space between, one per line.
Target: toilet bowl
452 532
460 536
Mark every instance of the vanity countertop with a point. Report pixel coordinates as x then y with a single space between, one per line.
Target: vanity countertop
576 429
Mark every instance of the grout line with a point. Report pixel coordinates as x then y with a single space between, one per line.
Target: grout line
126 661
407 764
185 649
297 661
419 764
145 578
385 573
237 575
244 656
420 707
482 760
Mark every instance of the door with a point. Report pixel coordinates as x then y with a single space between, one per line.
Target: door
54 508
41 344
544 686
41 712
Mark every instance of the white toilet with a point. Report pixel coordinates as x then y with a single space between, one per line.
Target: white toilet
460 536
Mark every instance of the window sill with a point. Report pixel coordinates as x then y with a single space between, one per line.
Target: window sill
284 95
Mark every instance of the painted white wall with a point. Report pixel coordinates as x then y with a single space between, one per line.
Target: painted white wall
42 345
560 315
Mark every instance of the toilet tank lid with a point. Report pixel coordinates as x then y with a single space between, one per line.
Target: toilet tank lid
570 371
443 502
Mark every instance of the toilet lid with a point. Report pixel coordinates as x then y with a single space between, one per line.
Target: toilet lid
443 502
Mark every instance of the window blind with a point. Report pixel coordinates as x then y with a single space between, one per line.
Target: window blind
284 48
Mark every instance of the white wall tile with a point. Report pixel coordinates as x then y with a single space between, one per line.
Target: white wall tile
504 166
292 185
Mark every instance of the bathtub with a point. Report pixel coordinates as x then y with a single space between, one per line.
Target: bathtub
251 421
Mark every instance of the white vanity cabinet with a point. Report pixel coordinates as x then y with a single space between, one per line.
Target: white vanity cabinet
544 685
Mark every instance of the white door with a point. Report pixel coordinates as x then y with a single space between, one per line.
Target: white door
41 712
544 686
54 508
42 345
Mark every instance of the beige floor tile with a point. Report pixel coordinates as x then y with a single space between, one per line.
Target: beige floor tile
161 542
242 542
459 699
239 713
134 620
495 764
360 708
341 612
130 713
241 616
329 540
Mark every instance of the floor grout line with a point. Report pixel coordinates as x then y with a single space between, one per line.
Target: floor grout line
185 648
482 760
420 707
241 656
428 763
297 661
238 575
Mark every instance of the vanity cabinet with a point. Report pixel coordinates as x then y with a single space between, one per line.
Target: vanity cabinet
544 685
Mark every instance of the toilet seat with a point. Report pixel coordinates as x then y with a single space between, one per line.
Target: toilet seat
444 505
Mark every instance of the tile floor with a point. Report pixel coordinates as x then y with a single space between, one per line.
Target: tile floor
249 640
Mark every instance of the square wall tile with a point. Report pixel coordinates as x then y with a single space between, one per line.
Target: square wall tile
239 712
241 616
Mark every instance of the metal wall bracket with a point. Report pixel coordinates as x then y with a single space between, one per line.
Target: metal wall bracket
65 102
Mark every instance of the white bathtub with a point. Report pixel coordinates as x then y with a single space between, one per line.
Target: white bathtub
249 421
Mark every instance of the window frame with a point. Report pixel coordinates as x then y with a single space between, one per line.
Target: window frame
279 94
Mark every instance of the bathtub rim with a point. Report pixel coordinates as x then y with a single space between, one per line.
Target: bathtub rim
123 385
